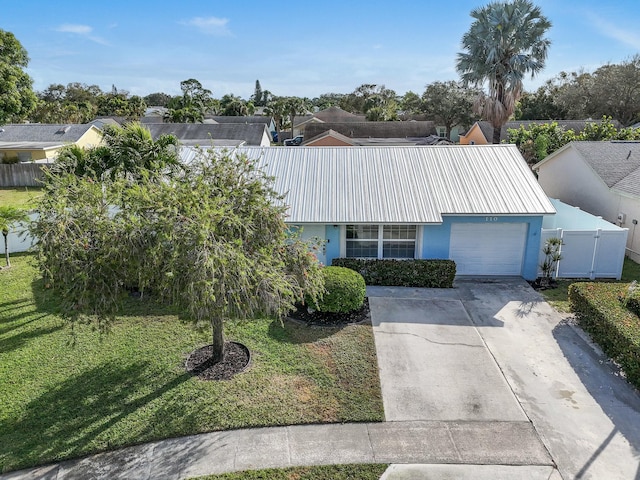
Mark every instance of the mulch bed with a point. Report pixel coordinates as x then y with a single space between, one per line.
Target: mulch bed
537 284
331 319
236 360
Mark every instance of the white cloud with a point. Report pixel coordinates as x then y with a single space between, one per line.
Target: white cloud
79 29
628 37
210 25
82 30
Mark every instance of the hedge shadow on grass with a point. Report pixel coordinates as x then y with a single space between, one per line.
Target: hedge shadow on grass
296 332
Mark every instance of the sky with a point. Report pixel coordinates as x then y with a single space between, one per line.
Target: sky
302 48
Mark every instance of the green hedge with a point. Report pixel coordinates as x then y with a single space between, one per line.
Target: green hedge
402 273
345 291
612 326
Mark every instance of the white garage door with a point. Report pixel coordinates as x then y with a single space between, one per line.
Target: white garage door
488 248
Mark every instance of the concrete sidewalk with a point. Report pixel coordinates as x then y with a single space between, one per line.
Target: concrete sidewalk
492 444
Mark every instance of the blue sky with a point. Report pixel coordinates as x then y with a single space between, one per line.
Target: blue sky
302 48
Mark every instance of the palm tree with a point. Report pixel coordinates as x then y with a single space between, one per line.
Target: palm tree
505 42
9 216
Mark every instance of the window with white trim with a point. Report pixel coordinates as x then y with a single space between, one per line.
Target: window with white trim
381 241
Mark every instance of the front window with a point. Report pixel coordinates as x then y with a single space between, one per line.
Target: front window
381 241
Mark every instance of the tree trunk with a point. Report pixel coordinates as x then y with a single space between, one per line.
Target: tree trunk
448 131
218 340
6 248
496 134
293 117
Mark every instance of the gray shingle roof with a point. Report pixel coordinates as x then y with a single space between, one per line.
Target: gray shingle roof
43 132
617 163
576 125
373 129
252 134
239 119
399 184
337 115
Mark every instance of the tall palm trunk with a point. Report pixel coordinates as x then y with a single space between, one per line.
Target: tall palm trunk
496 134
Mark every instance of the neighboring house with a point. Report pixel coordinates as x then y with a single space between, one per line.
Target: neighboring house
331 138
211 134
328 115
602 178
394 132
480 206
481 133
249 119
40 142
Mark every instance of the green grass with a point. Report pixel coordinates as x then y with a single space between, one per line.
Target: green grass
558 297
66 394
20 197
367 471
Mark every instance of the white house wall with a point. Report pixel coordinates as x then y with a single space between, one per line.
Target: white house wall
568 178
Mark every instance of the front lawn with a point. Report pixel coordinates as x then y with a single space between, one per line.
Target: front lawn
66 394
558 297
19 197
367 471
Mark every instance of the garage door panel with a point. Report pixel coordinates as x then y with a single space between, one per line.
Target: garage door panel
488 249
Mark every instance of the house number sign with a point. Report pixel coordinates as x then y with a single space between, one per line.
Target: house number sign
490 219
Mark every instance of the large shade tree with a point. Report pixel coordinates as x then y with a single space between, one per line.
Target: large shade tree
211 239
505 42
449 104
16 95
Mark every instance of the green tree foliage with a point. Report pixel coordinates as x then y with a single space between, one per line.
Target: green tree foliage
157 99
211 240
120 104
190 107
612 90
9 216
538 141
375 101
540 105
80 103
449 104
504 43
277 108
411 104
233 106
295 106
326 100
17 99
125 153
258 96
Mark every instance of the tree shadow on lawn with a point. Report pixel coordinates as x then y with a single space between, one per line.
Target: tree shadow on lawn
296 332
81 415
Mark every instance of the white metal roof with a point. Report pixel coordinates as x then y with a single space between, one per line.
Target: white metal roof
414 185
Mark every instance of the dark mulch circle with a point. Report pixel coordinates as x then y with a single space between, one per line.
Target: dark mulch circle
236 360
539 285
331 319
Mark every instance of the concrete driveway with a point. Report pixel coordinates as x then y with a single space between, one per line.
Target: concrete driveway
494 351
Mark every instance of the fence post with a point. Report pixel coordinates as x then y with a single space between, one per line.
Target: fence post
596 246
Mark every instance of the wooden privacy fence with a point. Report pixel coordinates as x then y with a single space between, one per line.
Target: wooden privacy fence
21 174
588 253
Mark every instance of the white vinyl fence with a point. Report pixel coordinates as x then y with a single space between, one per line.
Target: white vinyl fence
18 239
587 253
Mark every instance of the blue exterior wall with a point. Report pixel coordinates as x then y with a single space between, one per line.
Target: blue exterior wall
435 239
332 247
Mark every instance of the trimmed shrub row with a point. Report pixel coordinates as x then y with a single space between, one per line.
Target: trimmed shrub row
612 326
345 291
402 273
